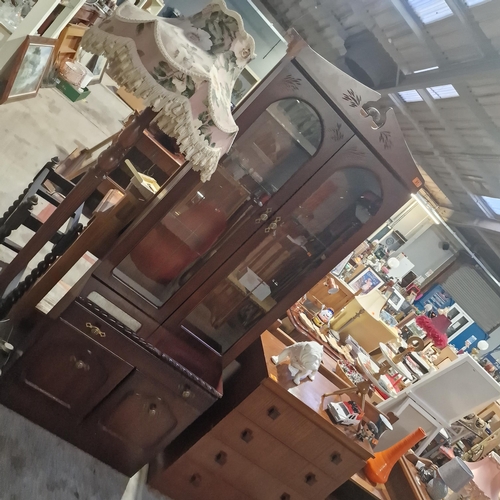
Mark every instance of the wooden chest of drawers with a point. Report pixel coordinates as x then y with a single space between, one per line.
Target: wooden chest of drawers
275 443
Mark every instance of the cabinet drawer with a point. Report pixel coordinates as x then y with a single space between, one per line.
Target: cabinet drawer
173 375
229 466
262 449
270 412
93 326
72 370
186 480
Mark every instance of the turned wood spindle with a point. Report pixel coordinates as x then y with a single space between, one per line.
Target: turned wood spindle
108 161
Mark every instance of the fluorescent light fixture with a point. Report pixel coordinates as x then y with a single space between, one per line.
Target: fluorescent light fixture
426 69
428 210
493 203
410 96
442 92
430 11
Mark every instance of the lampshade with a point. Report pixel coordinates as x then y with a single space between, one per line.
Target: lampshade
487 475
372 303
455 474
482 345
184 68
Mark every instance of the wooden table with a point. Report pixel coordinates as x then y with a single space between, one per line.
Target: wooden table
403 484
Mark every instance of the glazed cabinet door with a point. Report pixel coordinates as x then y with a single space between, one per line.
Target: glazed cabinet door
347 200
286 135
71 370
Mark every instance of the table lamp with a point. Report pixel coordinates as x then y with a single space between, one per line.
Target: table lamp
453 475
372 303
184 69
486 477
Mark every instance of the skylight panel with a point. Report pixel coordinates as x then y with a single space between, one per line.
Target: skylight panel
430 11
493 203
442 92
410 96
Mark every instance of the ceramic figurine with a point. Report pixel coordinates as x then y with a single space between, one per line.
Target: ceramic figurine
323 317
305 359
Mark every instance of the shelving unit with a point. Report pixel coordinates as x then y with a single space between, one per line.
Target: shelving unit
68 43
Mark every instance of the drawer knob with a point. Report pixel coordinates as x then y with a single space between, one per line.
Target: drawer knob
285 496
221 458
94 330
247 435
336 457
79 364
273 413
195 480
185 391
311 479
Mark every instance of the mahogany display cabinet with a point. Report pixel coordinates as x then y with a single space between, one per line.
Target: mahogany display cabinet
136 350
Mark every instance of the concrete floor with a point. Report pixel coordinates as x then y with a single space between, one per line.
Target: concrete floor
34 464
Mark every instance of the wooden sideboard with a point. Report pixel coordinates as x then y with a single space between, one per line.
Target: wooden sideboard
274 441
91 380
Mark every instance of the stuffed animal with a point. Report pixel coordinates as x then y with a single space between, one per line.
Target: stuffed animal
305 359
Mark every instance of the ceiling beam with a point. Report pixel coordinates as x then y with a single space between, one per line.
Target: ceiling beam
452 73
463 219
458 138
479 112
438 153
493 246
418 27
471 27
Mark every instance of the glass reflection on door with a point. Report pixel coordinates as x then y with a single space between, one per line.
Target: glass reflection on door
292 247
262 159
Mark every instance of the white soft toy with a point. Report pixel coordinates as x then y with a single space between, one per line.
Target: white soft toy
305 359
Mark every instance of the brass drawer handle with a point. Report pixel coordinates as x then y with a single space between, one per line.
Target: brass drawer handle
311 479
273 413
336 457
195 480
221 458
94 330
285 496
247 435
79 364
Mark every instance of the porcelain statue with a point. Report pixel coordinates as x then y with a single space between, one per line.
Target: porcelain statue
305 359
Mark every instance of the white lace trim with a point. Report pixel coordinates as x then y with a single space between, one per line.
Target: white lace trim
175 116
241 24
203 75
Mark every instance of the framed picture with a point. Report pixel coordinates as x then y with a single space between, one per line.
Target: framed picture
245 82
96 64
27 71
367 281
396 300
